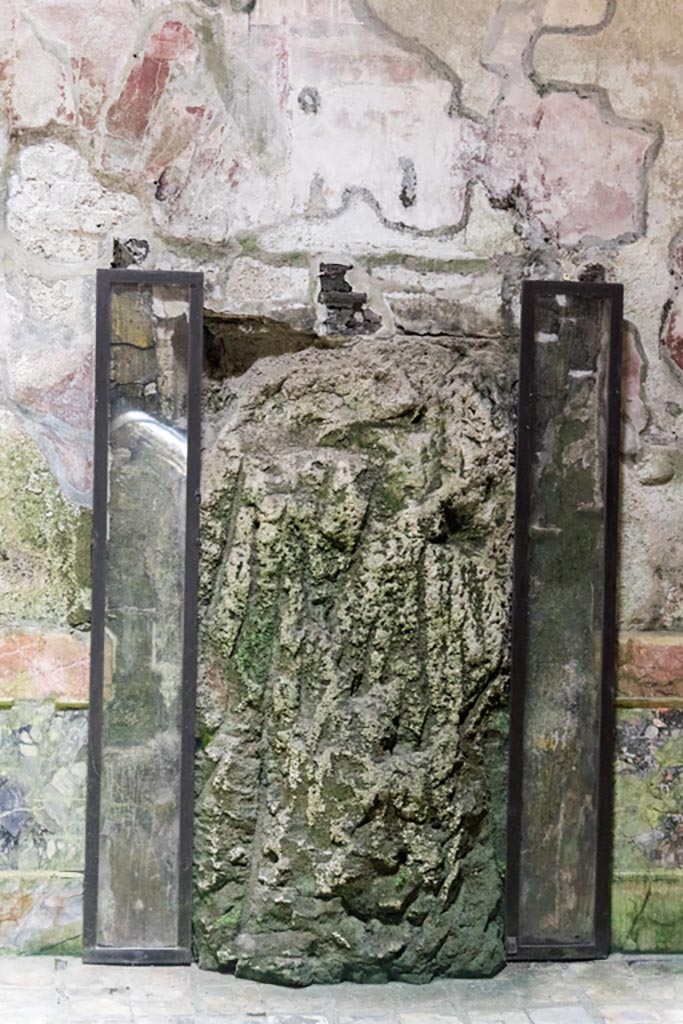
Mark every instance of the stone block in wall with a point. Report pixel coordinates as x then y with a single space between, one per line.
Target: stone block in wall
40 912
43 768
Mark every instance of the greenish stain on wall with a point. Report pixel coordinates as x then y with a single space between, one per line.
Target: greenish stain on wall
44 539
647 890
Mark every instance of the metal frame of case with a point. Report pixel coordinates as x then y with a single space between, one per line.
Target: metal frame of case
516 950
106 281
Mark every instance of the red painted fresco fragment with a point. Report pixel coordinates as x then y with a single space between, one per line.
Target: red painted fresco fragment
68 399
282 71
129 117
673 337
173 41
91 91
233 178
131 113
177 129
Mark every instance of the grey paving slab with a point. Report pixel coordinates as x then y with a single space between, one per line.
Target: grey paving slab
630 1013
48 990
425 1017
503 1017
561 1015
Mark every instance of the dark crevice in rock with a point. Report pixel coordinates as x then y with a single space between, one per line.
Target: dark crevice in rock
233 343
593 272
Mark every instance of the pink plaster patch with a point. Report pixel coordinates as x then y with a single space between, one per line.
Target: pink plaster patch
36 665
559 161
178 127
173 41
71 460
69 398
650 664
91 91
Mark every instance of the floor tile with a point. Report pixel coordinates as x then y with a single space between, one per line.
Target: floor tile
560 1015
629 1013
46 990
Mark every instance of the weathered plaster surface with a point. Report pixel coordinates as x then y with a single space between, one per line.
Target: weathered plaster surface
443 151
185 124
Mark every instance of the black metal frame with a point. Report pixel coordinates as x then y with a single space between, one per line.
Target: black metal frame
106 280
531 290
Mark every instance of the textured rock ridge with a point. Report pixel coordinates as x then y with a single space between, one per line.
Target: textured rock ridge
354 595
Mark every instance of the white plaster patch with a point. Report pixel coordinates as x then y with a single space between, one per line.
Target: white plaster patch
41 91
489 232
480 293
56 208
362 232
254 287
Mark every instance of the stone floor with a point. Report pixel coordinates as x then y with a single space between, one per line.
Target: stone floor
49 990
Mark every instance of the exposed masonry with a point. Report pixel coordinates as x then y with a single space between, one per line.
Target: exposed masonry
129 253
347 311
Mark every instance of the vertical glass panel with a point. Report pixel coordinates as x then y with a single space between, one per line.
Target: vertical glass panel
560 620
140 787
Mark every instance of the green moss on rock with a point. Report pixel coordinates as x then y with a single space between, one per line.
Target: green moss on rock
357 508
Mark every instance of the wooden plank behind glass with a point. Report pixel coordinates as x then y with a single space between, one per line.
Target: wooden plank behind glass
564 622
144 610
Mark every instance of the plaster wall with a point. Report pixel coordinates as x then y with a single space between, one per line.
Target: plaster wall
445 152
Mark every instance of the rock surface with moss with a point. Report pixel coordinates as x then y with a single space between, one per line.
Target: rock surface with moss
355 578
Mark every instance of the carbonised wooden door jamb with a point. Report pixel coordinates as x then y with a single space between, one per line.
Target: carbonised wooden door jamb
107 281
521 948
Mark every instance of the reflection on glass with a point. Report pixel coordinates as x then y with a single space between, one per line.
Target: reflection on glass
138 884
565 604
